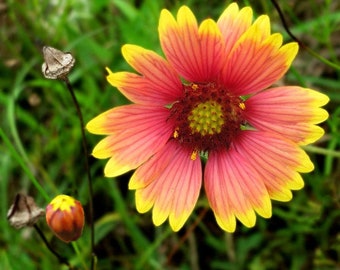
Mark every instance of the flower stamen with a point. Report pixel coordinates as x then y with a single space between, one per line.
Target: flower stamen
194 155
176 134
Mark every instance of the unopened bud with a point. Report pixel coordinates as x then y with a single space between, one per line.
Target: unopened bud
65 217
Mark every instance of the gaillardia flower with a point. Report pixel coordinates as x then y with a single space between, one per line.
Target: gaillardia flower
210 98
65 217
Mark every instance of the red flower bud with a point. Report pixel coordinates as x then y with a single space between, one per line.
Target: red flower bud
65 217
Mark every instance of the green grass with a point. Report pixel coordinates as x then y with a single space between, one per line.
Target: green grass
41 148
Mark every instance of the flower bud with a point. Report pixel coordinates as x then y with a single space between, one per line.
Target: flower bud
65 217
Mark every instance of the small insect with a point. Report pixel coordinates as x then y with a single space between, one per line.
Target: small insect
57 64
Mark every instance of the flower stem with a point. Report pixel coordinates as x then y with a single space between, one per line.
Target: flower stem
60 258
87 167
302 45
187 234
322 151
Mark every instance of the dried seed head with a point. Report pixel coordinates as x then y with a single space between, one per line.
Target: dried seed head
24 212
57 63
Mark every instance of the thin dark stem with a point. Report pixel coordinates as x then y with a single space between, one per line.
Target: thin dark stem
87 167
60 258
301 44
187 234
285 25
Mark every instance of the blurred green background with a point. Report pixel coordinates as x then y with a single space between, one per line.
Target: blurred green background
40 121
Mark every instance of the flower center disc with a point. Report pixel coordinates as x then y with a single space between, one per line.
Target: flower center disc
207 117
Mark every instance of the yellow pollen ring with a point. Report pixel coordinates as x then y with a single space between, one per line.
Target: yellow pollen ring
242 106
206 118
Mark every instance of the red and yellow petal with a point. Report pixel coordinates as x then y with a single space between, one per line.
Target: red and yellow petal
197 53
129 118
157 84
277 161
174 192
234 190
128 151
290 111
257 60
136 133
151 170
233 23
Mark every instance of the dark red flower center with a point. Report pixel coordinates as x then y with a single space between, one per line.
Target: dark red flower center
207 118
